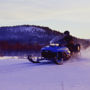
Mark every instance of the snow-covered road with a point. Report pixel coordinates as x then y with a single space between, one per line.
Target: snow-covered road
20 74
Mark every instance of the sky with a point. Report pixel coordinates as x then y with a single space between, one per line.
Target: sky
60 15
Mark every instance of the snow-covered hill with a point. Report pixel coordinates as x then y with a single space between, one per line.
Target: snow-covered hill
19 74
24 39
32 34
27 34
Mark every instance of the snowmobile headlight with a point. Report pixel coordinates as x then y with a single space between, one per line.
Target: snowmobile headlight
54 44
57 44
69 51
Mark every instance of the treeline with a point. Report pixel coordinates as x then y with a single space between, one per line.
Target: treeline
5 46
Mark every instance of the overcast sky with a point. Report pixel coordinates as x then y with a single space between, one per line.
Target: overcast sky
72 15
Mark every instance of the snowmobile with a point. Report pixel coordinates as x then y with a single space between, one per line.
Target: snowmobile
55 52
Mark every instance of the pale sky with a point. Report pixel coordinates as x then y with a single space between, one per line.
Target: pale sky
61 15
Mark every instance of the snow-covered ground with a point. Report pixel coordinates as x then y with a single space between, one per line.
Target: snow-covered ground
19 74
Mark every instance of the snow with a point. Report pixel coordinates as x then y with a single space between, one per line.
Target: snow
17 73
32 29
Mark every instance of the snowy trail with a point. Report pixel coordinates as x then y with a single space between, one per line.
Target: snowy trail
20 74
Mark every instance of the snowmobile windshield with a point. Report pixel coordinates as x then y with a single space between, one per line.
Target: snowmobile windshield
62 43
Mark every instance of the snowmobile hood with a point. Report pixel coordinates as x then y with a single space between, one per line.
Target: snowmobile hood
55 48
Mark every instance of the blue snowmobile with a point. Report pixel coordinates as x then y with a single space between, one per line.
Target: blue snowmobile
55 52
